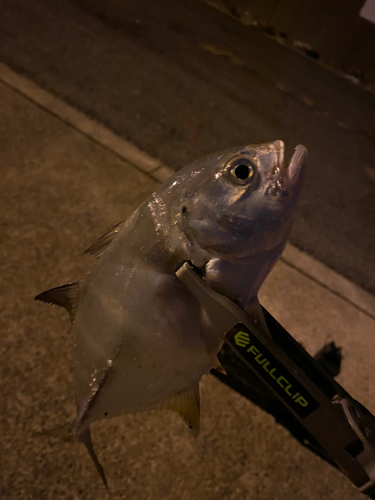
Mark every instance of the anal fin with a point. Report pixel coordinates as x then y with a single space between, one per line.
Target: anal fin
65 296
219 367
187 405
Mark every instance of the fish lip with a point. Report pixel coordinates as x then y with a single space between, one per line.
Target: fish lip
296 162
284 179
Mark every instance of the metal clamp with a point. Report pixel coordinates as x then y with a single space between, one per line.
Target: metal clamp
341 426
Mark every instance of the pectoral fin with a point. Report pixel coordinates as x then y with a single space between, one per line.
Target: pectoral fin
99 247
64 296
187 405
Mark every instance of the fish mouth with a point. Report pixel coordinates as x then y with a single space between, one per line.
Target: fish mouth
284 179
295 163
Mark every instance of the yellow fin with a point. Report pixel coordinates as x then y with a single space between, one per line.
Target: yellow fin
219 367
187 405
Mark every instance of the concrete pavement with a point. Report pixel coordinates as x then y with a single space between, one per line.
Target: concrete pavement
61 188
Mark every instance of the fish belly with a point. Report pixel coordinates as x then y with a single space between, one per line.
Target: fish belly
139 341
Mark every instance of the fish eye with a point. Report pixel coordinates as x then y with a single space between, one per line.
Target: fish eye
241 170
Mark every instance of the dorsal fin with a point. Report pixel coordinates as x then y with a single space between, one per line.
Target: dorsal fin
187 405
64 296
99 247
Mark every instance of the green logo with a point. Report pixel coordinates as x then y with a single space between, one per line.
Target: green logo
242 339
273 372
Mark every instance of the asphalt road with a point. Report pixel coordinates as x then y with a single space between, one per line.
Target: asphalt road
180 80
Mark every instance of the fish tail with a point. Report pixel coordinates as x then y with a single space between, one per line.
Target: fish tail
67 432
85 438
63 432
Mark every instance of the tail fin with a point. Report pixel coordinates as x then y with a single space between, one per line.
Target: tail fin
65 432
85 438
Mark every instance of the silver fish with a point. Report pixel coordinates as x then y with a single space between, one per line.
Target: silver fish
141 339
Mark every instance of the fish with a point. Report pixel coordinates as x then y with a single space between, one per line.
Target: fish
141 340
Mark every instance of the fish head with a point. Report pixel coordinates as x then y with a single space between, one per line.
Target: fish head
241 201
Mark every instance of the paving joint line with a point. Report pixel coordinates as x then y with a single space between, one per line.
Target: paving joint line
327 287
78 121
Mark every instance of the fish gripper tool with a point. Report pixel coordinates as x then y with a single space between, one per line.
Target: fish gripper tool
300 393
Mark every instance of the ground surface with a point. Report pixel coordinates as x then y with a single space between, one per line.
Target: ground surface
180 80
59 191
